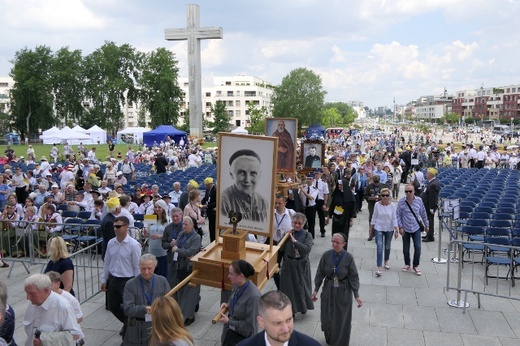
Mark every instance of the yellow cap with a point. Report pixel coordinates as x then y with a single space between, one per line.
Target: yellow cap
113 202
193 184
208 180
432 170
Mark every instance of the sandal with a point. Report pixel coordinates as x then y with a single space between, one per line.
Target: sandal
379 273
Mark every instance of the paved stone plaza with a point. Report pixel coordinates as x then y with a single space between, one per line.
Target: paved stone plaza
399 308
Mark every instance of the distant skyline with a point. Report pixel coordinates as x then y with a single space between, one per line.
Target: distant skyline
369 51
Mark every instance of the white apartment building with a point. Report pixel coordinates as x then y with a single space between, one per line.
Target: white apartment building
237 92
6 84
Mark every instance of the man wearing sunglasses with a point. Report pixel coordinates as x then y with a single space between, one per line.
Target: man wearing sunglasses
121 264
411 216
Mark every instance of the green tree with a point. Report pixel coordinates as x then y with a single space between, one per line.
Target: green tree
68 85
257 117
300 95
221 118
31 95
451 118
330 117
111 73
159 92
347 113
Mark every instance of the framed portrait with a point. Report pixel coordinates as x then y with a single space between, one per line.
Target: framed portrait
313 153
285 129
246 174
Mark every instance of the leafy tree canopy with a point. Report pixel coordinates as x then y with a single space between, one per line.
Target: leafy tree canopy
299 95
221 117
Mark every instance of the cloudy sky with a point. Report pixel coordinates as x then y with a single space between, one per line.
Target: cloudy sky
368 50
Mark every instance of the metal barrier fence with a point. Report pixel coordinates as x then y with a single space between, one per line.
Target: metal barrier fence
25 243
471 274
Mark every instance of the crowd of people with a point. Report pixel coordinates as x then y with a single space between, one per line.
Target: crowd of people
356 171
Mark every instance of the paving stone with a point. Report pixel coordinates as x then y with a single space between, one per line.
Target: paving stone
405 337
384 315
453 321
470 340
363 336
420 318
401 296
445 339
431 297
491 323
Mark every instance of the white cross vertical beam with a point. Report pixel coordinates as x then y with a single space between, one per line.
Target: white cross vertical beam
194 33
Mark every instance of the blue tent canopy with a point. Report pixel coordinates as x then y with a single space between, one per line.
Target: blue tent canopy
315 131
160 134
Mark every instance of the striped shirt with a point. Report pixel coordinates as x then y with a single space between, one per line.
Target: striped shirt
405 218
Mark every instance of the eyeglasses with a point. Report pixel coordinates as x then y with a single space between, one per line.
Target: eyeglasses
118 226
385 195
408 191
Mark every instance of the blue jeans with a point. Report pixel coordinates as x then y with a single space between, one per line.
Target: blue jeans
386 238
416 237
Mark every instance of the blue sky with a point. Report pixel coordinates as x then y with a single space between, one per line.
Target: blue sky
369 50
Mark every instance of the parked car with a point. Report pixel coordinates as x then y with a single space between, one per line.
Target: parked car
503 130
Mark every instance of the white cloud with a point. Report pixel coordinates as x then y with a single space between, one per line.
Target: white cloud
51 15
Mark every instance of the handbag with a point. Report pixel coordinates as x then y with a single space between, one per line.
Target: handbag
421 225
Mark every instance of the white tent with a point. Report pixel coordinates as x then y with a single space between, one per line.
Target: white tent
51 136
65 135
97 134
78 128
240 130
131 135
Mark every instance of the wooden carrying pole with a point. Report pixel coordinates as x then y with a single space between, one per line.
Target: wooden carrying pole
182 283
219 314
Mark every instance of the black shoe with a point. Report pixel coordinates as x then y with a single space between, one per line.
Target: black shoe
323 235
428 240
370 238
4 265
189 321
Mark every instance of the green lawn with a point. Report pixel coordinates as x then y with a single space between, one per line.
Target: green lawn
101 150
45 149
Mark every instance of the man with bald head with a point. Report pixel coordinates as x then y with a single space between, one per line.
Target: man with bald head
245 169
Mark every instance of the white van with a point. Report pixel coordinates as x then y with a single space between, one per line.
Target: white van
503 130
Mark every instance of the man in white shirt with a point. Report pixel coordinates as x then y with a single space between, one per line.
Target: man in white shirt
282 224
480 157
67 176
91 156
125 203
308 194
323 192
49 314
176 193
121 264
44 166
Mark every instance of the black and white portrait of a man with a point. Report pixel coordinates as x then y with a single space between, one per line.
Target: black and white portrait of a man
246 180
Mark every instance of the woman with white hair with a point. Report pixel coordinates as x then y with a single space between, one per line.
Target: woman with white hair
154 232
110 173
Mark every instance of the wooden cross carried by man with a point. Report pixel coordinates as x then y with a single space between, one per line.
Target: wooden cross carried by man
194 33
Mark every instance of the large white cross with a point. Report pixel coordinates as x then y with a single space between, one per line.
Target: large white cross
194 33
